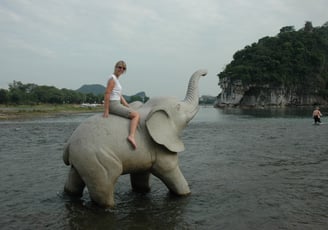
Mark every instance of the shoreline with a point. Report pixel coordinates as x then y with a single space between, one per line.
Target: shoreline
25 112
8 113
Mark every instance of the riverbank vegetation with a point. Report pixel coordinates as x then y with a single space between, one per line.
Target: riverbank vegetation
32 94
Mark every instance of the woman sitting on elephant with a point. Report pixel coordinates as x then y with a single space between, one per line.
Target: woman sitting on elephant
115 103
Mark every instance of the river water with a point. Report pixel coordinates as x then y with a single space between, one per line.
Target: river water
247 169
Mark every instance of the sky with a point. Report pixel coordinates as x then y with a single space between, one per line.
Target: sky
70 43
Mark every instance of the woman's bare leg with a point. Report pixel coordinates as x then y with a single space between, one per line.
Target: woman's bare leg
134 116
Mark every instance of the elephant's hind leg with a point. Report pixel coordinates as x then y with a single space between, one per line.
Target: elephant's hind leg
140 181
102 183
74 184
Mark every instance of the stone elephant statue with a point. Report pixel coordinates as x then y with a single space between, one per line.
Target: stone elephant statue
98 151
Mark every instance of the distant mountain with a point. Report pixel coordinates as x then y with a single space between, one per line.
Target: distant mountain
141 96
95 89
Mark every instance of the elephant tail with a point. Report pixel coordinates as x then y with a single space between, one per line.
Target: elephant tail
66 154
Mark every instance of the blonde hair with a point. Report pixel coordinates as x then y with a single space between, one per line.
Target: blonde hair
121 63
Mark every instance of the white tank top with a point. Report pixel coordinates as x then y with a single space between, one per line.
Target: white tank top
117 90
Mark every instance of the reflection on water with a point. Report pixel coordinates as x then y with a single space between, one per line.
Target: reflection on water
247 169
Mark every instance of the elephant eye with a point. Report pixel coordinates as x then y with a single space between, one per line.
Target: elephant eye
178 107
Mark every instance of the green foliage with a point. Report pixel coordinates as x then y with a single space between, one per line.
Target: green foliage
4 96
292 59
207 100
32 94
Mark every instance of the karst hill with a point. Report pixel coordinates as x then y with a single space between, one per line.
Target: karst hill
290 68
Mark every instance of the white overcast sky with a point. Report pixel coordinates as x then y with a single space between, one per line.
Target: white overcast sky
70 43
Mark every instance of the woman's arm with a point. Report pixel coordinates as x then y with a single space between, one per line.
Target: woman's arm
109 89
123 101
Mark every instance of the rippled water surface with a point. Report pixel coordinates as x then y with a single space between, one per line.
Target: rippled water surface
247 169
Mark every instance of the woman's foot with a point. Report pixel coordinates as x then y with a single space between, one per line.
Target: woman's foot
132 141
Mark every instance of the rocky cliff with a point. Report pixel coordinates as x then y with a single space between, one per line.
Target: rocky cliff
234 93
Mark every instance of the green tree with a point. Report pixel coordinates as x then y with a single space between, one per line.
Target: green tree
17 92
4 96
20 93
308 26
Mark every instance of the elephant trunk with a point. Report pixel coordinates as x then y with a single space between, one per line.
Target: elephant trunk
192 95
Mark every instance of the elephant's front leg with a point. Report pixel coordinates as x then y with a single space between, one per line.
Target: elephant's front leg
175 182
140 181
167 169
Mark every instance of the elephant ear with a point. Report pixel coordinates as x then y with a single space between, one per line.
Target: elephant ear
163 130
